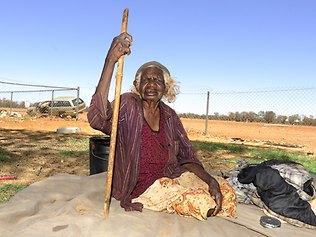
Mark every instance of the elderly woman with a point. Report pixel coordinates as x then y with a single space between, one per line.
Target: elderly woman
155 165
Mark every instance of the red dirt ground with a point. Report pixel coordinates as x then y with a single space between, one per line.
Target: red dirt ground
303 137
33 143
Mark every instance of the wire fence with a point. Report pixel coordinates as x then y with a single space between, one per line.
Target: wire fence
21 95
281 105
276 105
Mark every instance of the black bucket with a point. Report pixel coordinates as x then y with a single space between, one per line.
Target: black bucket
99 154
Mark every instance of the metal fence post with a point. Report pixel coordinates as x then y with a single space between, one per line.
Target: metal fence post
52 104
11 101
206 115
77 106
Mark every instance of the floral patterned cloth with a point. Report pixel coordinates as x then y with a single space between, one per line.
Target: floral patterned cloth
187 195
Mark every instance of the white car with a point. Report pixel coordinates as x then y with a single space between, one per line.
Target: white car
60 106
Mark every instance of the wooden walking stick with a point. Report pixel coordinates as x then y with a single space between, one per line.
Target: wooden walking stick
118 84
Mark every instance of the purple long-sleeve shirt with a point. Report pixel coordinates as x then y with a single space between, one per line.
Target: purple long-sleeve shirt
126 164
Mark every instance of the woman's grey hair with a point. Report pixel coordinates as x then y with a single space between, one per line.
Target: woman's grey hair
172 87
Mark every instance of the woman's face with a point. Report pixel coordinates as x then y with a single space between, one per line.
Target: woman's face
152 84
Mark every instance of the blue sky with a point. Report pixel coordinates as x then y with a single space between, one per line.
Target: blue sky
207 45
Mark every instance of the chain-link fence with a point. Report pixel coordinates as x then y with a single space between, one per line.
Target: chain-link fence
42 100
276 105
281 105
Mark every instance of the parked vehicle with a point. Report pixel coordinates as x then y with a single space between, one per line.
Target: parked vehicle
60 106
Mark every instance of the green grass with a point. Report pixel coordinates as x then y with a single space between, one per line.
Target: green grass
78 143
4 156
216 146
256 155
9 190
75 147
71 153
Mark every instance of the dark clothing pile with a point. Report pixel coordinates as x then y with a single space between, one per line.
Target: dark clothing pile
278 195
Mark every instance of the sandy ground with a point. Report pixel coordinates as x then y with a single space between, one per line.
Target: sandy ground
258 133
34 144
294 136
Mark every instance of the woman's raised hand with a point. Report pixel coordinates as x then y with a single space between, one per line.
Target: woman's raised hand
120 46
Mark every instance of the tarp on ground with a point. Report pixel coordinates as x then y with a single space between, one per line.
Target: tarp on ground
69 205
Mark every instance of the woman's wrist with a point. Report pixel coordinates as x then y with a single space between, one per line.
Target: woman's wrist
110 61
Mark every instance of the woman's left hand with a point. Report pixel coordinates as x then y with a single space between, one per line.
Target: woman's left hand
216 193
213 185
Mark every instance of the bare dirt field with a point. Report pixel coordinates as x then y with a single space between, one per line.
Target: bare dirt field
287 135
36 147
302 137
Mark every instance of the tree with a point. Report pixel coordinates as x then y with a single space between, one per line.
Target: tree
244 116
252 116
261 115
281 119
216 116
238 117
294 119
231 116
269 116
309 121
